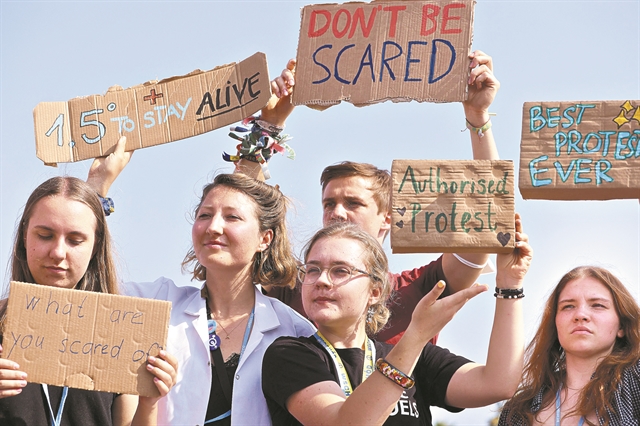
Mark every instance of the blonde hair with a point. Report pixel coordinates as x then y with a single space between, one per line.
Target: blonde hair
376 264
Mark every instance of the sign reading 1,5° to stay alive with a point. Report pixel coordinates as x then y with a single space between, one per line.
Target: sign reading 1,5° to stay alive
152 113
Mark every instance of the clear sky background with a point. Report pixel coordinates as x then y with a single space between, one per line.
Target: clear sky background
543 51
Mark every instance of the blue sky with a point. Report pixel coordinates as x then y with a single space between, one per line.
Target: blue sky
543 51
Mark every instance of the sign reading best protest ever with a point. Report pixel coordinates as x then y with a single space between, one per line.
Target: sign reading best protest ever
581 150
365 53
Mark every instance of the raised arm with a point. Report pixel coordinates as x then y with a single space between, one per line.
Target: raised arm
475 385
483 87
371 403
276 113
105 170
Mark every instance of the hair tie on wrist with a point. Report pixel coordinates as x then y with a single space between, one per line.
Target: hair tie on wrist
260 143
107 205
393 374
469 263
479 130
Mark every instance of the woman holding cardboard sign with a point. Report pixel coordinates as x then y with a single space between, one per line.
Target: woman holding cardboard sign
331 378
62 241
220 330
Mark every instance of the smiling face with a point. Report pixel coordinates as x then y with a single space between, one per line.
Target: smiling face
586 319
226 232
350 199
59 241
343 307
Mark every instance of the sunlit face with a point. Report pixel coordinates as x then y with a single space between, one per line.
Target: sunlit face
344 306
586 319
350 199
226 232
59 239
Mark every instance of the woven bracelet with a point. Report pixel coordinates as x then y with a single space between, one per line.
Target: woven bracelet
479 130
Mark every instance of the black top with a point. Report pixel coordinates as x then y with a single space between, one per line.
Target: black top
218 404
82 407
292 364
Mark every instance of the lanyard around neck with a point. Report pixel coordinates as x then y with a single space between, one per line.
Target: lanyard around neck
367 367
216 353
558 415
56 420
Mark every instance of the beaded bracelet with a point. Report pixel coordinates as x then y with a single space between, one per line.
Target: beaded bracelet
393 374
107 205
260 143
479 130
509 293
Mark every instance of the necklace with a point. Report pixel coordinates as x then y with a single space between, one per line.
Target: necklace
225 330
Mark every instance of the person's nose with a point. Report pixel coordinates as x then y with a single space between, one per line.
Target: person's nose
58 249
323 279
339 213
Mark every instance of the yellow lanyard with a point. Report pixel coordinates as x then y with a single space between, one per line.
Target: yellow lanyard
367 367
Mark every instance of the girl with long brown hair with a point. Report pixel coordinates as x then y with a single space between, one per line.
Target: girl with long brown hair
583 365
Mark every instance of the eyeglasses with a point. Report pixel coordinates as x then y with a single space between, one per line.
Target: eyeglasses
337 274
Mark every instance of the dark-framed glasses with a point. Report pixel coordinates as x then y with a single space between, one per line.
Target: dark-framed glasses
309 273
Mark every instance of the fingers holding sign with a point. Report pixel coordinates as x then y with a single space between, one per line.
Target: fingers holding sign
483 86
165 369
280 106
12 380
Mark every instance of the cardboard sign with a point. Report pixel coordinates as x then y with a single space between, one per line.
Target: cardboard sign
152 113
84 339
580 150
366 53
444 206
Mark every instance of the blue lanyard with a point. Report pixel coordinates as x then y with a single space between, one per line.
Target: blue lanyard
57 419
580 422
214 344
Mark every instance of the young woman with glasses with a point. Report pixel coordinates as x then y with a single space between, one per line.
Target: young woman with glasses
341 376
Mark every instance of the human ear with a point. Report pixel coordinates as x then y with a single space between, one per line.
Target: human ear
375 295
620 333
267 238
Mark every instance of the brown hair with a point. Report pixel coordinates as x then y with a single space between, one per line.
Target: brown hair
376 264
380 180
545 368
276 265
100 275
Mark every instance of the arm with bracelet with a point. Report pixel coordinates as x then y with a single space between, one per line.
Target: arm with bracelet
342 376
463 270
264 138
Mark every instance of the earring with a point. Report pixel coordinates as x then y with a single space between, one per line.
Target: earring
370 313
